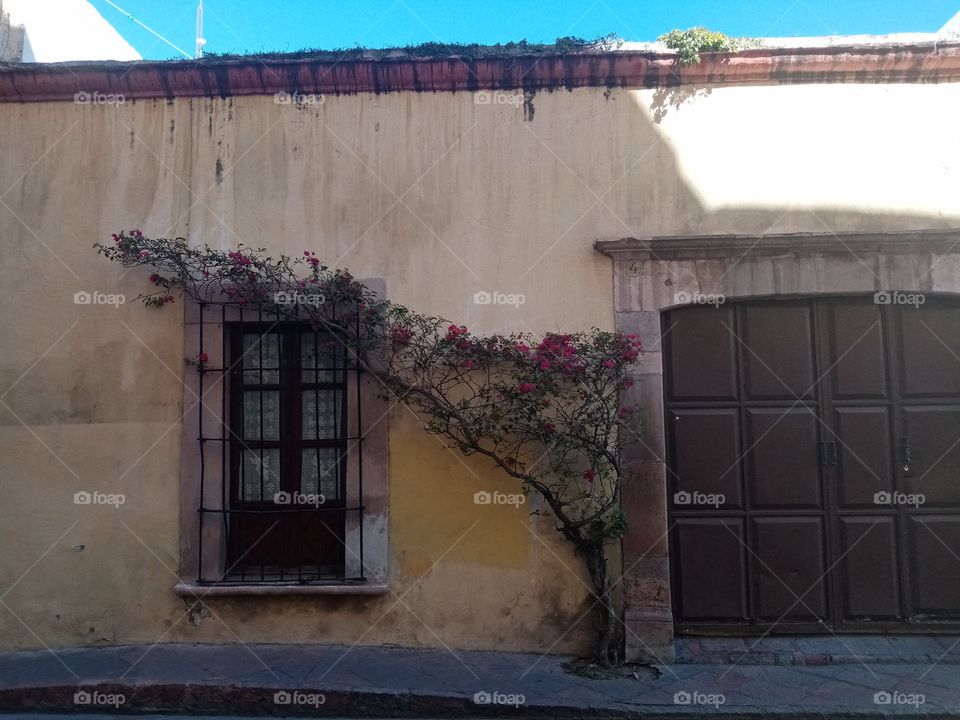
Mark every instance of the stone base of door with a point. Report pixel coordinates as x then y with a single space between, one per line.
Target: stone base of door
819 650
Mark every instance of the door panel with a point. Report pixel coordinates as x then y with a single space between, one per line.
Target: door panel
870 574
711 553
700 345
782 462
865 466
934 449
929 345
707 468
777 351
787 583
934 549
854 341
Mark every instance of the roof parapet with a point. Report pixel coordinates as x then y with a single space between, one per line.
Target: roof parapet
921 62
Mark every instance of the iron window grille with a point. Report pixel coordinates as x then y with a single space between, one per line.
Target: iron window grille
286 451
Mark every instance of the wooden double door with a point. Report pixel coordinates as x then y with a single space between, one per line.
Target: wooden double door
814 464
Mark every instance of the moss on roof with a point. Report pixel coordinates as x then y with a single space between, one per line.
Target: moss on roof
468 51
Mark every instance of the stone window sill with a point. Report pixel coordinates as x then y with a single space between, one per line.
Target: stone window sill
192 589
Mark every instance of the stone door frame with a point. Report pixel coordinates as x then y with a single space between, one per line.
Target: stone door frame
657 274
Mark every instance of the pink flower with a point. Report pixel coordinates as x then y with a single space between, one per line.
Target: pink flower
525 388
202 358
588 475
400 335
468 364
239 259
154 278
549 428
455 331
609 364
523 348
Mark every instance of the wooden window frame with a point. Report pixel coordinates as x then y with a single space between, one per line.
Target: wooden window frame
330 515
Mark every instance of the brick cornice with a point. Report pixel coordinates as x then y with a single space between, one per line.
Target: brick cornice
925 62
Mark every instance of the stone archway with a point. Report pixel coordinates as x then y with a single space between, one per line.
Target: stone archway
662 273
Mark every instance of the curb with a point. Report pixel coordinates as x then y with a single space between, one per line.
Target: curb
238 700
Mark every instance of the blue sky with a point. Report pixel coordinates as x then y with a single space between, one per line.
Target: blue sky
288 25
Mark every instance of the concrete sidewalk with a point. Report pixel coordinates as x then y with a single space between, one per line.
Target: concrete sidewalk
291 680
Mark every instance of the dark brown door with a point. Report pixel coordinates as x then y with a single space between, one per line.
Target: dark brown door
814 464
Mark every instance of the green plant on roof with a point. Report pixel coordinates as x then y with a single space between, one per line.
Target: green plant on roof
690 43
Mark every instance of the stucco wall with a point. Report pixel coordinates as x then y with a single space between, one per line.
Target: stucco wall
441 196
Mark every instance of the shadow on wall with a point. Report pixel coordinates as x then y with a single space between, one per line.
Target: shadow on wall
666 98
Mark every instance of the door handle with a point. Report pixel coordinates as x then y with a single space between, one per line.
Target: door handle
907 453
828 453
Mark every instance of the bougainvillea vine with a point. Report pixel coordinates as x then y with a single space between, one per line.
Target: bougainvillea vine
547 411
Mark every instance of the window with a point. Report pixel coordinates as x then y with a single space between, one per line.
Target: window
288 452
285 459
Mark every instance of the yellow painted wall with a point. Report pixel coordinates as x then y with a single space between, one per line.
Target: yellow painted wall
441 196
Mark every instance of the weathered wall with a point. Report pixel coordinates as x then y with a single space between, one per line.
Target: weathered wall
441 196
